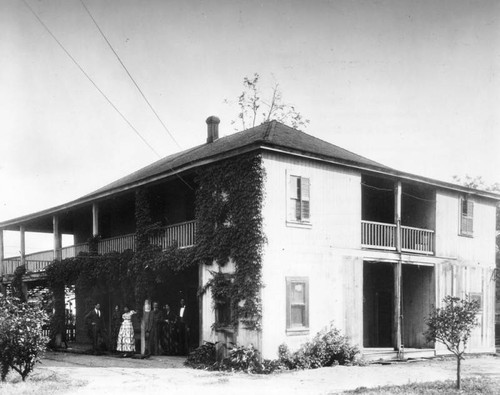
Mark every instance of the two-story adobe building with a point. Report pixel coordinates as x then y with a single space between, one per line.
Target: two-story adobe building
348 240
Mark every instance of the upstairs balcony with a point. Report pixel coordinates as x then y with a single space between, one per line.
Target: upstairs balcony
397 216
382 236
181 235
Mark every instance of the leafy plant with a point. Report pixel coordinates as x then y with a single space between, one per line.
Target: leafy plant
21 338
452 326
203 357
329 347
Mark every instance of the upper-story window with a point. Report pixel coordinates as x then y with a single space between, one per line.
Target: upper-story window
298 199
466 217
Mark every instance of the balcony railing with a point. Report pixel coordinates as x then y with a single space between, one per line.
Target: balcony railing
378 235
180 235
382 236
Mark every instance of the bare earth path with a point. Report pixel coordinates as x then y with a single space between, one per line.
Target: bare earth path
167 375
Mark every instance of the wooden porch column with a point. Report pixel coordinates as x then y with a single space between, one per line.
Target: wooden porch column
396 330
2 256
95 219
23 244
57 238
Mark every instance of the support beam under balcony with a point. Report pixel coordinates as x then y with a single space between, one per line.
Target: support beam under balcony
396 338
22 237
57 238
95 219
1 254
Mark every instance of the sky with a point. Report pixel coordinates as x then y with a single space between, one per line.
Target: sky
414 85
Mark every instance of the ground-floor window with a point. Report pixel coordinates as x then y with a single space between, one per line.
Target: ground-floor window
297 303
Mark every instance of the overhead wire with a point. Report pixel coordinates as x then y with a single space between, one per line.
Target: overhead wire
129 74
392 190
101 92
91 80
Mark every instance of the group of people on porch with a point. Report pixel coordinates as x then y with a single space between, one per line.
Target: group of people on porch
162 331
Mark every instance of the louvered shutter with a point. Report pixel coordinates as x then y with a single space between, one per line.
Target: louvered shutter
467 217
293 202
305 214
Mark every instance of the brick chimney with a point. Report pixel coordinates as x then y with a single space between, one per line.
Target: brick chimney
212 128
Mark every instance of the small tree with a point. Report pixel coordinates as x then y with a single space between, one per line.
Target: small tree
21 337
452 325
256 107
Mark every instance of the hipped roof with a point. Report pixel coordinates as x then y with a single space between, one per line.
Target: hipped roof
268 136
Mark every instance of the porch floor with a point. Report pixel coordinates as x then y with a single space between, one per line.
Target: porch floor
388 354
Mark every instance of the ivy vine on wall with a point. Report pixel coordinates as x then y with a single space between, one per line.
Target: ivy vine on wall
229 197
229 214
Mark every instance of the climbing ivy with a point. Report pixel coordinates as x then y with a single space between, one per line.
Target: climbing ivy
229 227
229 214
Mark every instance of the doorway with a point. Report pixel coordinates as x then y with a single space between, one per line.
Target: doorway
378 305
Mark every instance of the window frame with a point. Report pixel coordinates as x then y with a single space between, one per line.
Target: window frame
292 220
466 217
304 328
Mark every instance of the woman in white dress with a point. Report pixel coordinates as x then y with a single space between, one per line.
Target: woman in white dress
126 340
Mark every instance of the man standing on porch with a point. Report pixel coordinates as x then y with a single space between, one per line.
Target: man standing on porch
94 320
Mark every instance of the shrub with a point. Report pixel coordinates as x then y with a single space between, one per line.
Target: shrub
329 347
204 357
243 358
21 337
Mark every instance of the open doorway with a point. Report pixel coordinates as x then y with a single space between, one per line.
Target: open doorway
378 297
418 296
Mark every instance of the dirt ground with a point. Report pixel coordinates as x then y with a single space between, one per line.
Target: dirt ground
167 375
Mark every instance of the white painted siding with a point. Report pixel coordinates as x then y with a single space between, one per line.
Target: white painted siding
478 249
325 251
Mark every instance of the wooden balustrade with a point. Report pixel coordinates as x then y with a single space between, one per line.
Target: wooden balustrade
74 250
116 244
417 240
380 235
179 235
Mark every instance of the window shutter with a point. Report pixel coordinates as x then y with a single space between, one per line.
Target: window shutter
467 217
305 199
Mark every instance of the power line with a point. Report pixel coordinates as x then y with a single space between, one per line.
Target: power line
130 76
90 79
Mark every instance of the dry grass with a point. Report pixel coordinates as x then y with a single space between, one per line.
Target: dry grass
42 382
471 386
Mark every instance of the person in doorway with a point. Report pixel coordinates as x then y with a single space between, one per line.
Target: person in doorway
167 336
126 340
154 333
94 322
182 328
116 323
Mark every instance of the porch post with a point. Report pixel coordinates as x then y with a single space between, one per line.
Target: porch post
23 244
57 238
95 219
396 331
1 256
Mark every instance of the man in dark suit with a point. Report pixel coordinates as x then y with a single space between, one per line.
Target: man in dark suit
94 321
182 329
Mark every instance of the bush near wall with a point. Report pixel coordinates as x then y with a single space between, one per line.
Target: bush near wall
328 348
21 338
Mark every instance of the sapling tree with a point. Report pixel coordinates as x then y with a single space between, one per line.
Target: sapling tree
256 106
452 326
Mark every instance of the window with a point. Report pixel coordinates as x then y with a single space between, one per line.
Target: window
466 217
297 304
223 312
298 205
